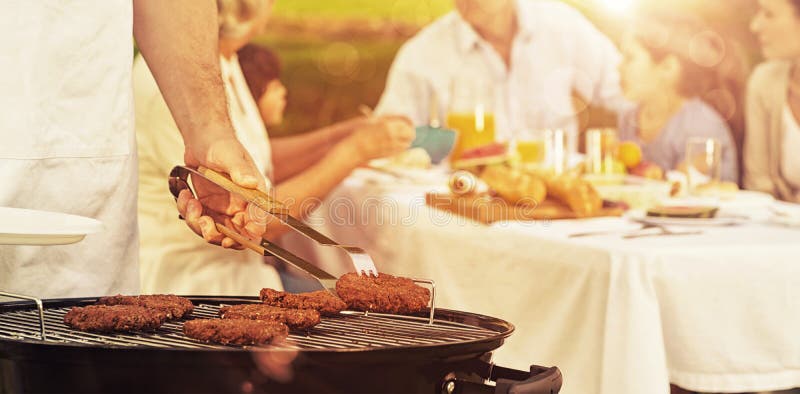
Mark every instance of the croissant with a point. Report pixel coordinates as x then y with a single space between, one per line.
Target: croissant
514 186
578 194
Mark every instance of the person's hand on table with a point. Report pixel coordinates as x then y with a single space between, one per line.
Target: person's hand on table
225 155
381 137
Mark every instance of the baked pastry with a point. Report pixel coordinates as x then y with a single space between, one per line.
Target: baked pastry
515 186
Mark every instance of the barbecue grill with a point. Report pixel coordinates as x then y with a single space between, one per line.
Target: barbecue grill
354 353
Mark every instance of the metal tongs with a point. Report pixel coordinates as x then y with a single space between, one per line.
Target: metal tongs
179 180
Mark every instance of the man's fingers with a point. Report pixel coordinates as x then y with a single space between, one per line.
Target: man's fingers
209 230
183 199
255 230
192 215
239 220
248 228
228 243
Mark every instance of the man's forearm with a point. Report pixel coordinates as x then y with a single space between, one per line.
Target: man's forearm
179 41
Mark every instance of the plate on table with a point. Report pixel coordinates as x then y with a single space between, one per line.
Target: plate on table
743 203
785 213
720 220
636 192
747 200
20 226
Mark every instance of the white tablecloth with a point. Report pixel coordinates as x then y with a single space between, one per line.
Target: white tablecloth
716 312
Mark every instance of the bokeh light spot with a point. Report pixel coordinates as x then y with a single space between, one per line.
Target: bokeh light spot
340 61
707 48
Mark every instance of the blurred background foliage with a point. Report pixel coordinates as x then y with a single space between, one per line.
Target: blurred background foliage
336 53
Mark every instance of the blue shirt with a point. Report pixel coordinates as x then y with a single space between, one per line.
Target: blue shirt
695 119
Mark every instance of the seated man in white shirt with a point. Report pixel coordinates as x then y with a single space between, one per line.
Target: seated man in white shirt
534 54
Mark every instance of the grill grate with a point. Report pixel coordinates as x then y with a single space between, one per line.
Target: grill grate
350 330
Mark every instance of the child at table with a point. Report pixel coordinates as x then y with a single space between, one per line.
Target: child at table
684 81
306 164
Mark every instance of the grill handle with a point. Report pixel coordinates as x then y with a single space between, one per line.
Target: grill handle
540 380
39 306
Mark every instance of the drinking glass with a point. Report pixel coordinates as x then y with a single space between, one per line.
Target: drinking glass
544 149
703 162
601 150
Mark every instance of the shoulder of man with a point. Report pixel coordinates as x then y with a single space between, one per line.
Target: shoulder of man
436 38
551 13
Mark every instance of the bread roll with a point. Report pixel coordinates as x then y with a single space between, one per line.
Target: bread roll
576 193
514 186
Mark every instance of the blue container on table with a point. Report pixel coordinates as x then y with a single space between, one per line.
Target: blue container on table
438 142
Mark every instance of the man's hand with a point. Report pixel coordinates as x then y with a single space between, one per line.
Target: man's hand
224 155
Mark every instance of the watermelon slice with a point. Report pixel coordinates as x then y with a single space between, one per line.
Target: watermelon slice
493 153
490 150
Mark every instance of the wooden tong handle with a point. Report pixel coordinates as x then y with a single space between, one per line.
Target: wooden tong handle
241 239
255 196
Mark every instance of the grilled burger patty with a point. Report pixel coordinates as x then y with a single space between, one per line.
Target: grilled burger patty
296 319
173 306
235 331
384 294
323 301
114 318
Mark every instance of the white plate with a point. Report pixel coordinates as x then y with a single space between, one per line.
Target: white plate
719 220
785 213
31 227
745 203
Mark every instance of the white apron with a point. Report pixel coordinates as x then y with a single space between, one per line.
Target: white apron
66 139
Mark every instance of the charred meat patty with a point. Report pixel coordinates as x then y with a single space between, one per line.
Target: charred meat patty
173 306
322 301
384 293
114 318
235 331
296 319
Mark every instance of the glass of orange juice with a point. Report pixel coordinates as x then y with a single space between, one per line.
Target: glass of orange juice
531 151
543 148
470 115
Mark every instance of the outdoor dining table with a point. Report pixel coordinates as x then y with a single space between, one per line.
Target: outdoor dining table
717 311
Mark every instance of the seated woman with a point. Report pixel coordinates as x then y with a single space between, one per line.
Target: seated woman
772 141
683 84
173 260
